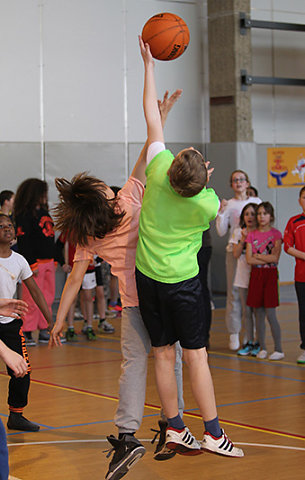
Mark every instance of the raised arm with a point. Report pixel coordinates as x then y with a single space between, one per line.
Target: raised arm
238 247
150 99
165 107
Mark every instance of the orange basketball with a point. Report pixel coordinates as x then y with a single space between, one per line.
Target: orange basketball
167 35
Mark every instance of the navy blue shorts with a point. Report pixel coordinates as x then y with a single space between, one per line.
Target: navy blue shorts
172 311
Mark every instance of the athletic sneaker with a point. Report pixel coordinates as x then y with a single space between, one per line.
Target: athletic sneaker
182 442
255 350
90 334
221 445
262 354
276 356
44 336
110 314
116 308
71 336
105 327
16 421
29 340
234 341
301 358
127 452
162 452
246 349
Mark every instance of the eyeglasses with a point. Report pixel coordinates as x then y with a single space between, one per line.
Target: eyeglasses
235 180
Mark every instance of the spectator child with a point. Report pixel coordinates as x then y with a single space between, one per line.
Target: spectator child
294 244
262 253
14 267
247 224
35 239
228 219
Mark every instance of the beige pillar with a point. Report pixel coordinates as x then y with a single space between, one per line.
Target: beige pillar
229 52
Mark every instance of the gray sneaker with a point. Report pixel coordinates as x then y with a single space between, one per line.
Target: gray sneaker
44 336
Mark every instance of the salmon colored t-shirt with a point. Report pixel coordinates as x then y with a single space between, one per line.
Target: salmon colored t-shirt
118 248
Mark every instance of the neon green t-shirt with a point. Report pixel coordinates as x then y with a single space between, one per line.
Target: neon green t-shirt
171 226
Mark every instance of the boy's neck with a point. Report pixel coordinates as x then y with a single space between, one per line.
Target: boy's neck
5 250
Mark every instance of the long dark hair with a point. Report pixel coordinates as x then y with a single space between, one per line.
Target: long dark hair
242 215
29 196
84 210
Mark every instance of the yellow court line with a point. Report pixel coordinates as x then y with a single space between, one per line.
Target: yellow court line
157 408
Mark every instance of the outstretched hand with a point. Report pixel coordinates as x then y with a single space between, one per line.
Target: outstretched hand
167 104
145 52
55 335
12 308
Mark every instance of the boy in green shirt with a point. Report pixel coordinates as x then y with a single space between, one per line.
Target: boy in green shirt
177 207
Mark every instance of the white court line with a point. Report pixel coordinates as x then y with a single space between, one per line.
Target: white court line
270 446
104 440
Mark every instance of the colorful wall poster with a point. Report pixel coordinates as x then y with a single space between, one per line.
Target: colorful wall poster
286 167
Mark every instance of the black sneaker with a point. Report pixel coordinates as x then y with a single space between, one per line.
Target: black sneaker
16 421
127 452
162 452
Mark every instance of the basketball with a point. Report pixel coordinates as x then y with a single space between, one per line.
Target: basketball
167 35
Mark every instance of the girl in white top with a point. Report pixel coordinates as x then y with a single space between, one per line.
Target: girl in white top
242 276
227 220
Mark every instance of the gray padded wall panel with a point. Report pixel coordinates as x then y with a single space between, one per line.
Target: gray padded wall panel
18 161
103 160
223 158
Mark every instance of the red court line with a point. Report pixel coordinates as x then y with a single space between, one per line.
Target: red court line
189 414
74 364
252 427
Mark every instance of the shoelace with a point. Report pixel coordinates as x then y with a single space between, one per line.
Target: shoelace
109 451
157 433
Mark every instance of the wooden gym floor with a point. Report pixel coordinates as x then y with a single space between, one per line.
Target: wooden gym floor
74 394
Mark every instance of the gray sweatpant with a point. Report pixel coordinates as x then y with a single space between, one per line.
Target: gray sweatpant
135 346
233 306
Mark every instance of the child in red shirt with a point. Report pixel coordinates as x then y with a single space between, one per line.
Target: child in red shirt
294 244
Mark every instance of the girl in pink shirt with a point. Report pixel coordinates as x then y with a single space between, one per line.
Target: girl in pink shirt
263 252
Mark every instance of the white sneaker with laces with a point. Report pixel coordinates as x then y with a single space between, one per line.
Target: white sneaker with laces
221 445
262 354
106 327
276 356
301 358
182 442
234 341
